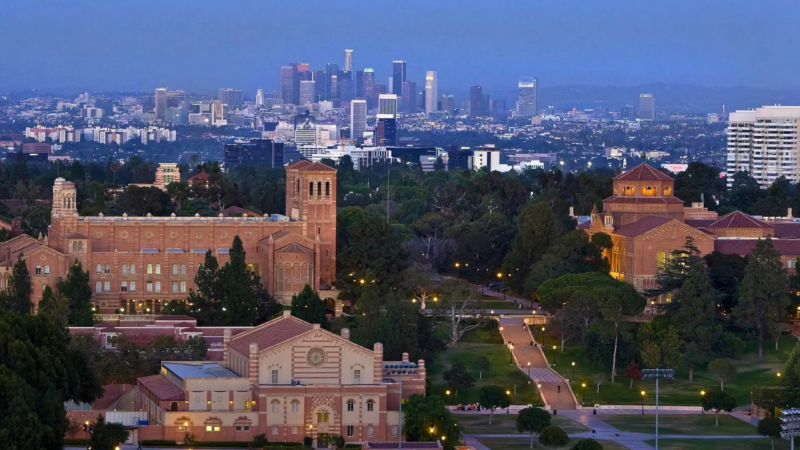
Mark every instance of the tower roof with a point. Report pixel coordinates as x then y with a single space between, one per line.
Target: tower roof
643 172
737 219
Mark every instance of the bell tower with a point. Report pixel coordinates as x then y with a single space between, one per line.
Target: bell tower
64 215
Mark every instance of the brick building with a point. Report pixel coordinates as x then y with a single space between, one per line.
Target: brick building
287 379
136 264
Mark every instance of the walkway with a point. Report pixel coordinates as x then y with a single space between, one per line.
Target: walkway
555 390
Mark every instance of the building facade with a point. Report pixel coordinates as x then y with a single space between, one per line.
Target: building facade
287 379
528 93
137 264
647 107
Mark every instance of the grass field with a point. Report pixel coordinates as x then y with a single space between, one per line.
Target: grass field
751 372
719 444
696 424
524 444
507 424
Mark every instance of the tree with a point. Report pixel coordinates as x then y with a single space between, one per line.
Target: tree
493 397
725 271
723 369
633 372
660 344
75 288
482 363
370 300
791 379
459 302
197 348
204 302
438 164
428 419
695 319
573 252
770 427
396 327
599 378
673 271
614 304
238 307
763 295
588 444
536 229
553 436
718 401
458 377
107 436
309 307
18 296
532 421
54 306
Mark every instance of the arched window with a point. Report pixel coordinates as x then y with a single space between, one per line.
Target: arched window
370 405
173 406
295 406
351 405
183 269
666 190
124 269
310 188
133 269
648 191
99 268
319 188
628 191
47 270
275 406
149 269
327 188
158 269
661 258
38 270
107 269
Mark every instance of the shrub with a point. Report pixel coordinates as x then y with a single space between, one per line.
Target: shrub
553 437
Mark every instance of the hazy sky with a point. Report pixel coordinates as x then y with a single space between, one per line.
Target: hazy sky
201 45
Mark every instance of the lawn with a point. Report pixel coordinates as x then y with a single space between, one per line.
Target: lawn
696 424
719 444
751 373
524 444
498 374
507 424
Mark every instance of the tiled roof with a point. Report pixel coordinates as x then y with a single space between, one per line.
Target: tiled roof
406 445
161 387
294 247
786 230
670 200
699 223
298 164
311 166
77 235
188 318
269 334
737 219
643 172
202 176
787 247
237 210
642 226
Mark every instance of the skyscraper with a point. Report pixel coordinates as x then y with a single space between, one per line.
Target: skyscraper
347 88
358 119
230 97
260 97
475 101
386 131
431 92
331 71
647 107
497 108
528 97
627 112
448 104
409 97
398 76
305 132
287 84
307 91
319 85
348 60
387 105
365 85
161 104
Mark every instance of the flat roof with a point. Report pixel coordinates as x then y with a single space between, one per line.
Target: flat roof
205 370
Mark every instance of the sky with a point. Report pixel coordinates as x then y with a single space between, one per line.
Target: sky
202 45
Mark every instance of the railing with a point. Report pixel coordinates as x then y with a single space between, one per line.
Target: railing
125 317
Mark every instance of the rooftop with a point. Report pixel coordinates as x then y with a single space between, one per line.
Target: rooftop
205 370
643 172
737 219
642 226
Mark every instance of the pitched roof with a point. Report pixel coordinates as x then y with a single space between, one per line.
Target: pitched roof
77 235
270 334
643 172
310 166
786 229
294 247
642 226
237 210
161 387
202 176
700 223
298 164
743 247
737 219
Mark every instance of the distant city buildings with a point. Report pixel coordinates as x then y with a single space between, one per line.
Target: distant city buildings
398 76
230 97
161 104
431 92
358 119
475 101
647 107
260 97
348 60
528 97
255 152
627 112
448 104
409 97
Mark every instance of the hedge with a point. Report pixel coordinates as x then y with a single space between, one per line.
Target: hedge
201 444
74 441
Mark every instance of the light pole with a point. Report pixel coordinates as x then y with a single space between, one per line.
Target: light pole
186 432
643 394
702 394
529 369
657 374
508 394
543 338
791 424
86 429
573 371
539 393
583 400
554 355
511 347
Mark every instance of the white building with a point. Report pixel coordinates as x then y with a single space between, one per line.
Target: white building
326 134
764 142
489 158
387 106
362 156
431 91
358 119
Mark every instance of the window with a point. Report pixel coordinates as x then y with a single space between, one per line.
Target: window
628 191
319 188
369 431
394 430
349 431
370 405
791 263
294 430
183 286
242 427
276 406
107 286
174 286
310 188
322 417
274 377
649 191
357 376
661 259
124 287
133 286
212 427
158 286
149 286
149 269
295 406
77 246
99 268
174 269
327 188
47 270
351 405
667 190
107 269
124 269
98 287
183 269
133 269
158 269
38 270
274 431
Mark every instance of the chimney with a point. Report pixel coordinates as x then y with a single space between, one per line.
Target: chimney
377 352
346 333
421 368
789 213
286 313
253 365
405 357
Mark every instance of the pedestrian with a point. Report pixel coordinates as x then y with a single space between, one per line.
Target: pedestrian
559 388
531 343
594 433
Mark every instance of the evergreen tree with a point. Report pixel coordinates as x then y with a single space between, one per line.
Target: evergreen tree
763 293
370 302
107 436
238 305
21 175
396 328
54 306
309 307
205 302
791 380
78 293
426 418
695 319
675 269
536 229
266 305
18 297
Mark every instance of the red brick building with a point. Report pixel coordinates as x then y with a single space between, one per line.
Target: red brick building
136 264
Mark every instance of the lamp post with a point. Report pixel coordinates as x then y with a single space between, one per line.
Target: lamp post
511 347
543 337
702 394
573 371
583 386
554 355
186 432
791 424
86 429
657 374
539 393
643 394
529 369
508 394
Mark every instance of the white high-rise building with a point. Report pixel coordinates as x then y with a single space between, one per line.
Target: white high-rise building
307 89
260 97
387 106
528 97
764 143
431 92
161 104
348 60
358 119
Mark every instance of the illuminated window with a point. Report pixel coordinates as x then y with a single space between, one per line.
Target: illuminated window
276 406
133 286
357 376
99 268
107 286
47 270
174 286
124 269
666 190
158 269
649 191
149 286
369 431
149 269
628 190
212 427
661 258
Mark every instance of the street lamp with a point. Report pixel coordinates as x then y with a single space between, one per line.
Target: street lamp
511 347
529 369
543 337
554 355
643 394
539 392
447 392
86 429
508 394
573 370
186 432
657 374
583 385
702 394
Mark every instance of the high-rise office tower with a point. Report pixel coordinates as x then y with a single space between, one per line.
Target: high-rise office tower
627 112
348 60
318 76
387 105
331 71
334 94
475 101
497 109
386 131
307 91
398 76
765 143
161 104
647 107
486 106
260 97
358 119
305 132
366 86
347 88
409 97
287 84
448 104
230 97
378 89
431 92
528 97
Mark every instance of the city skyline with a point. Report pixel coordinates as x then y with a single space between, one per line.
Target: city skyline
665 49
